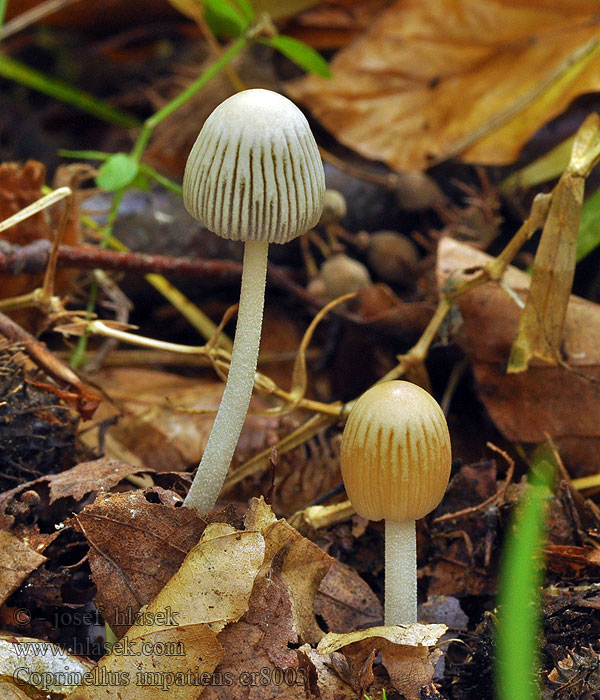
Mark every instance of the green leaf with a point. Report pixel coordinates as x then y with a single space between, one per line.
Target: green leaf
246 9
119 171
224 18
589 226
301 54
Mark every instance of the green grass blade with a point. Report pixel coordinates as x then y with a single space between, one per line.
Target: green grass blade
519 611
20 73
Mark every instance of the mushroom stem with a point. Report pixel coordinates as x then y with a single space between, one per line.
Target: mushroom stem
400 572
227 427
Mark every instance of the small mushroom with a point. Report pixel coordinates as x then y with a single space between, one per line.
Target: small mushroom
339 275
254 175
393 257
395 459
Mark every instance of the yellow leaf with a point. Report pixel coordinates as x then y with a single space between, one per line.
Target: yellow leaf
434 79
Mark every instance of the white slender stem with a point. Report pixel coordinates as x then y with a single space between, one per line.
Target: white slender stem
230 417
400 572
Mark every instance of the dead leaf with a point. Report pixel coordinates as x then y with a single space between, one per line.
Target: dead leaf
35 665
166 418
325 682
404 650
302 565
345 601
17 561
525 407
152 665
541 325
200 599
514 63
410 635
125 532
82 480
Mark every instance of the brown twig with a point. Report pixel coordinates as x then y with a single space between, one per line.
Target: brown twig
488 501
80 399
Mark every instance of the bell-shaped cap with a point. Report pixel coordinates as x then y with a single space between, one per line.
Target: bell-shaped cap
395 453
255 173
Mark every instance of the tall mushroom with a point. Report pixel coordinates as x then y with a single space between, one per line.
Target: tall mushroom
254 175
395 459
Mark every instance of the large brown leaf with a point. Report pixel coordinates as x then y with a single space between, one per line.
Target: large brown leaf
563 401
438 78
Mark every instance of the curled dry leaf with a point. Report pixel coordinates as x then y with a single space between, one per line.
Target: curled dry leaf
542 321
198 601
516 64
405 653
17 561
327 683
525 407
81 480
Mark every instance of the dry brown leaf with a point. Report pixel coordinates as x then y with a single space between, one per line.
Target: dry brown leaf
328 684
17 561
525 407
410 635
302 565
257 647
432 79
541 325
198 601
164 662
82 480
204 589
345 601
158 423
405 654
410 669
125 531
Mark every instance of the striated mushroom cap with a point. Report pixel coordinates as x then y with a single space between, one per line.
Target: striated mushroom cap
255 173
395 453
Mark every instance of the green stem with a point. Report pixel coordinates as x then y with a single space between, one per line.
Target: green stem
182 98
3 4
20 73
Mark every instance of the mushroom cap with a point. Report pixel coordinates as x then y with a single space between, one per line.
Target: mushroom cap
395 453
255 173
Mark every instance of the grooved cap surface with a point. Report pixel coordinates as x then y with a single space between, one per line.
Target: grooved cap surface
395 453
255 173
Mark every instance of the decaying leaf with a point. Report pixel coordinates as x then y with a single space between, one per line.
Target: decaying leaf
513 64
405 653
562 402
147 666
541 325
17 561
345 601
82 480
327 684
166 419
125 531
302 565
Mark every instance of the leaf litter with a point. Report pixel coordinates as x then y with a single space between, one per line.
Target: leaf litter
241 594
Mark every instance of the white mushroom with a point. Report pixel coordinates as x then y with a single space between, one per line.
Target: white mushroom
254 175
